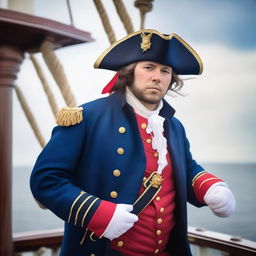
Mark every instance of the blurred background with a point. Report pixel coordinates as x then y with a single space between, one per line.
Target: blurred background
218 109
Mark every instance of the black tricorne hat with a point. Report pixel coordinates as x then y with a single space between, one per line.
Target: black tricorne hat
151 45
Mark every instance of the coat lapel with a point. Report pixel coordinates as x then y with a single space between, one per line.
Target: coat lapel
176 148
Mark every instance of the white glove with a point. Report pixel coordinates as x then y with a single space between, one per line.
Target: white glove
220 199
121 221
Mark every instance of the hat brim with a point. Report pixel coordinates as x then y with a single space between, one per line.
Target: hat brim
170 50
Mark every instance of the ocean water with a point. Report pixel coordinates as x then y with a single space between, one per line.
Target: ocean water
27 216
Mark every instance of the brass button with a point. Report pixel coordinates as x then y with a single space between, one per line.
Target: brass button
155 154
148 141
116 173
158 198
143 126
113 194
156 251
160 241
162 209
120 243
144 178
159 220
121 130
120 151
158 232
92 254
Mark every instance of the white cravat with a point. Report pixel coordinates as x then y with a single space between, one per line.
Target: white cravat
155 126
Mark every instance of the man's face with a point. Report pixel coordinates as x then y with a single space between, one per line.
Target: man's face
151 82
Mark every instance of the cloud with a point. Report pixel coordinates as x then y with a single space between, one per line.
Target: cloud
205 21
219 112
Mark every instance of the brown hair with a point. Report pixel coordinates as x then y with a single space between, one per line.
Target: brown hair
126 78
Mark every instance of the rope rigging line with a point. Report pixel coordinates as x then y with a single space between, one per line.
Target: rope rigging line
144 6
57 71
30 117
47 49
105 21
121 10
70 13
45 84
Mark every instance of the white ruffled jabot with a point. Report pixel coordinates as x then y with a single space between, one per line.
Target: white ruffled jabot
155 126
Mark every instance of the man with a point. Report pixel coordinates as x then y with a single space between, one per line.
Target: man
118 170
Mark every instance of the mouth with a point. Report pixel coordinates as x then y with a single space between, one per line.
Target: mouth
154 88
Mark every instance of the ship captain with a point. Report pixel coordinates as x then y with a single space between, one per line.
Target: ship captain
118 170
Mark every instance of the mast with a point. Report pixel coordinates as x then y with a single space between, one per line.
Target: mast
20 33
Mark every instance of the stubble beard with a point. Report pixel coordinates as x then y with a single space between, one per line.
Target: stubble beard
151 98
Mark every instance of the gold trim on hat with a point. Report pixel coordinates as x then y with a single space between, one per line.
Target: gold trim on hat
166 37
145 44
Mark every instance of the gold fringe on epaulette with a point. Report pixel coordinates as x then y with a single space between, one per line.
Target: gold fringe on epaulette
70 116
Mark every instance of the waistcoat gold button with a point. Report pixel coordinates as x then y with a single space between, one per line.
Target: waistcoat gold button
159 220
158 232
148 141
155 154
143 126
120 243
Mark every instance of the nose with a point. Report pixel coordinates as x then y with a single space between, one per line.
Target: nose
156 76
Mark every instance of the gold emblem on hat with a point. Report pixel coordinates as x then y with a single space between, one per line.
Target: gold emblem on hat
156 180
145 44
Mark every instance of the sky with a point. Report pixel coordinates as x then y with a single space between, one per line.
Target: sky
218 109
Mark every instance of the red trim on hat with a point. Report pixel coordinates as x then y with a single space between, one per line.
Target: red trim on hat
110 85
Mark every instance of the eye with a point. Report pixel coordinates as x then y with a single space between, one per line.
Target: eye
166 71
148 67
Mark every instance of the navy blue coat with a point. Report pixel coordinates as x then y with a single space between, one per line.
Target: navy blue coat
74 172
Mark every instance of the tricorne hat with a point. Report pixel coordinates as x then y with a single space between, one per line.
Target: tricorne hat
151 45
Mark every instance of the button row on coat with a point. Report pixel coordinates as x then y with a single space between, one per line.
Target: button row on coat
116 172
122 130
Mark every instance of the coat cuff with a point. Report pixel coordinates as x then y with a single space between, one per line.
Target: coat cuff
201 183
101 217
82 209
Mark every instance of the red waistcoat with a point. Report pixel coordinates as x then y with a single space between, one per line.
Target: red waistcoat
150 234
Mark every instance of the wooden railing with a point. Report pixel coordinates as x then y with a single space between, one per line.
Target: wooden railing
228 245
204 241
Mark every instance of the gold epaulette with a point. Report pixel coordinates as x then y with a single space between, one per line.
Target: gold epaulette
70 116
